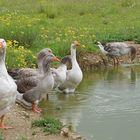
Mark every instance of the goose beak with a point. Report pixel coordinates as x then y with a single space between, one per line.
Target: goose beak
56 59
1 45
77 44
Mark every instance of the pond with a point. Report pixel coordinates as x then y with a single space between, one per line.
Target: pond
106 105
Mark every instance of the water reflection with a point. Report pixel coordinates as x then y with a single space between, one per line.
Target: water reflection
106 103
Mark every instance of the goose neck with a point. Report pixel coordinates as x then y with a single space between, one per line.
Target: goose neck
40 67
3 70
73 54
46 67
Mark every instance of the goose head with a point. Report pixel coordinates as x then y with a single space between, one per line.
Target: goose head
2 49
2 45
66 60
99 44
75 44
102 47
47 60
41 55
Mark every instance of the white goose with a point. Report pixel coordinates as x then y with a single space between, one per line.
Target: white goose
8 88
75 75
59 74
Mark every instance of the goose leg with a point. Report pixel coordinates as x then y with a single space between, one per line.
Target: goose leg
47 96
117 61
36 109
114 62
2 126
104 61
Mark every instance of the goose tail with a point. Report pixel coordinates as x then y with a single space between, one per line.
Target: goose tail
22 102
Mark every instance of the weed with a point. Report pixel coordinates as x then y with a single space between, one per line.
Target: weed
1 136
49 125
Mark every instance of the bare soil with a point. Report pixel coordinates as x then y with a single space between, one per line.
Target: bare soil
20 119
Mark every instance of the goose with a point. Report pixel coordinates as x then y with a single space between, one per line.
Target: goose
30 77
59 74
8 88
116 49
43 87
27 72
73 76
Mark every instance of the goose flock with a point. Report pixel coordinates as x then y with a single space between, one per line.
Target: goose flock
29 86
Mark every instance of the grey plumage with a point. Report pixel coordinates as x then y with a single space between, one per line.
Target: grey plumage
27 72
44 85
116 49
26 83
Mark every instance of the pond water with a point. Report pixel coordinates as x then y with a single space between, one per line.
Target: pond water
106 105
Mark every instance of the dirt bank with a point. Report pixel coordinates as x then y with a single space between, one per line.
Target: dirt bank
20 119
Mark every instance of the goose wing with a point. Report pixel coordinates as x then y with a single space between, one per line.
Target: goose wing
26 84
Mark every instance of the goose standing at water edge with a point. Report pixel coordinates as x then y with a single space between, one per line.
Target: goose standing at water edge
8 88
30 78
73 76
59 74
44 85
116 49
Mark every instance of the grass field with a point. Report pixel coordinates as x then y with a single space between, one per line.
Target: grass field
36 24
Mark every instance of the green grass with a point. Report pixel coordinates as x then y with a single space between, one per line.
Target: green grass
56 23
22 138
49 125
1 136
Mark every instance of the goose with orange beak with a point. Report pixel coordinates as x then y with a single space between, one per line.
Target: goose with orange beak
30 77
44 85
73 76
28 72
8 88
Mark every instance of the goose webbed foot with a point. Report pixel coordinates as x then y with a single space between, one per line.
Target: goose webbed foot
2 126
36 109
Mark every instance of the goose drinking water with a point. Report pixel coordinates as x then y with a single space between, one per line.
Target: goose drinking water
116 49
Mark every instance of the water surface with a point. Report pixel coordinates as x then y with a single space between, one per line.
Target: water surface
106 105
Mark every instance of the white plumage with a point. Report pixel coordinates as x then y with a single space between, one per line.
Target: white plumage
73 76
8 88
